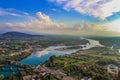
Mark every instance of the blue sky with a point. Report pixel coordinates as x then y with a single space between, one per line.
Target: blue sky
44 6
61 16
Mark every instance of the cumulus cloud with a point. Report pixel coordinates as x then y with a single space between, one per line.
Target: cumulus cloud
41 24
99 29
97 8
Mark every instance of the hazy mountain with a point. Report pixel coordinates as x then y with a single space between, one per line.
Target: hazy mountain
19 35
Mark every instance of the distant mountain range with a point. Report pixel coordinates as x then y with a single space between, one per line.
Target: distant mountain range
19 35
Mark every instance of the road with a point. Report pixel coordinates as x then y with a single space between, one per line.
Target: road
58 73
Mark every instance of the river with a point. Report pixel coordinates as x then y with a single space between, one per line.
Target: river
119 50
41 56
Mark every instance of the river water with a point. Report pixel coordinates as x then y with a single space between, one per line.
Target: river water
119 50
41 56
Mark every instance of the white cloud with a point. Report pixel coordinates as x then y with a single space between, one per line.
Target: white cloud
98 29
12 12
96 8
41 24
114 25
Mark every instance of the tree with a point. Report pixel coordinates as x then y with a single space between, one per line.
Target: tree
52 60
1 77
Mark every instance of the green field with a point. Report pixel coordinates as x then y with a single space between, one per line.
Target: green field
94 61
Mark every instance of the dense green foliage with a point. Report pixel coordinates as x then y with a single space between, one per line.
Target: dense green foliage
93 63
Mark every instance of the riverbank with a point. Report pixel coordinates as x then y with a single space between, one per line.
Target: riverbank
86 63
21 56
15 58
6 70
40 57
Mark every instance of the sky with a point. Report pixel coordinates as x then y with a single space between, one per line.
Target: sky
71 17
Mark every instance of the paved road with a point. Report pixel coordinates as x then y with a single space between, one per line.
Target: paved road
68 78
58 74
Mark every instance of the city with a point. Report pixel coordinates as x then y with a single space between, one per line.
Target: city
60 40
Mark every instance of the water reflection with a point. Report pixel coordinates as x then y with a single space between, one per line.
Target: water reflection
41 56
